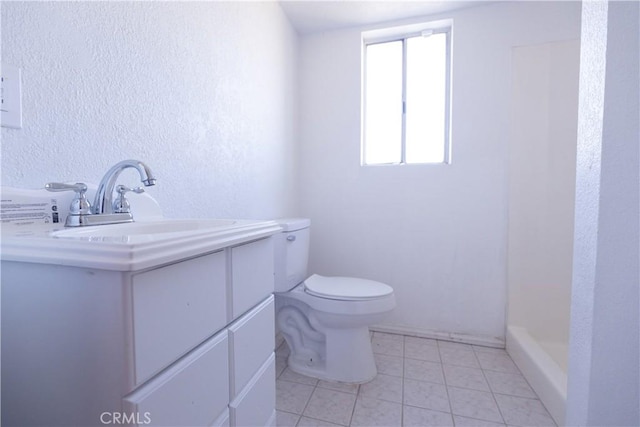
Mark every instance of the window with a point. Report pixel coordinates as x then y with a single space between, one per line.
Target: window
406 97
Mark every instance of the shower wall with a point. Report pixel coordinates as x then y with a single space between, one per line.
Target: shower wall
542 167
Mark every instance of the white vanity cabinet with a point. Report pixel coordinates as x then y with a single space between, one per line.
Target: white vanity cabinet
252 367
185 343
193 392
175 308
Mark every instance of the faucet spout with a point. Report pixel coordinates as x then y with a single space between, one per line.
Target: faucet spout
103 203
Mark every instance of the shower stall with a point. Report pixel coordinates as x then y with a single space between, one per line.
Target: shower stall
542 159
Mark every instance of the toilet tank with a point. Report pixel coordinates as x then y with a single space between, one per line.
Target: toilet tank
291 253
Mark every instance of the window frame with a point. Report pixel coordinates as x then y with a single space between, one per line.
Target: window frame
402 34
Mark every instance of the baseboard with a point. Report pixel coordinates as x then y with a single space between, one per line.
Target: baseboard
485 341
426 333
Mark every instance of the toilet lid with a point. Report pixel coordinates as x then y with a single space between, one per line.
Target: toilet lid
345 288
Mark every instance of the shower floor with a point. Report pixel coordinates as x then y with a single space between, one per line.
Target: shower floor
420 382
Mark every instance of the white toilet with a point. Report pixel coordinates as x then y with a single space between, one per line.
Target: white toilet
325 320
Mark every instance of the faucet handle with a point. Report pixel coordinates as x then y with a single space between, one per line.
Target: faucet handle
79 205
122 189
121 204
59 186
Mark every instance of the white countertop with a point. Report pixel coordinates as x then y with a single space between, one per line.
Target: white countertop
103 248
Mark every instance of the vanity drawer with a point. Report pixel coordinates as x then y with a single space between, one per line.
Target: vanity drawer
251 341
222 420
255 404
175 308
251 274
193 392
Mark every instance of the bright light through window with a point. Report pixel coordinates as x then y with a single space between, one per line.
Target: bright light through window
406 100
384 103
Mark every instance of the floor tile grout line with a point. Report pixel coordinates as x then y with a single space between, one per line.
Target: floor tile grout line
519 373
446 388
357 394
308 401
450 413
465 388
493 396
403 357
353 410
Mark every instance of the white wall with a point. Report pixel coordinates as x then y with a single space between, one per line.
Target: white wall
203 92
436 233
604 355
542 165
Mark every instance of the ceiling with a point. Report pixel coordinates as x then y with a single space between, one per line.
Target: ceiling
311 16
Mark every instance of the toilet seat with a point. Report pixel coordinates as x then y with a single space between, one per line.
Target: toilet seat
345 288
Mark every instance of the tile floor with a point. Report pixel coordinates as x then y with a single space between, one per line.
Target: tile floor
420 382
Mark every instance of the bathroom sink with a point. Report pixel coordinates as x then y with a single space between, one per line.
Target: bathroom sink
129 246
150 241
149 229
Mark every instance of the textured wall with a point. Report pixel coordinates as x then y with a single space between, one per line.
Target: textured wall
604 373
436 233
203 92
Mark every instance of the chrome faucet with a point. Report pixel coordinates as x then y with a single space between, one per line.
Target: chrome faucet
104 209
103 203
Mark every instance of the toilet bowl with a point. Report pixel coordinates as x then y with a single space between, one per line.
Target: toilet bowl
325 320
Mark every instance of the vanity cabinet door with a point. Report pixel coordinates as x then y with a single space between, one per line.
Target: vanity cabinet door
175 308
255 404
222 420
251 275
251 341
193 392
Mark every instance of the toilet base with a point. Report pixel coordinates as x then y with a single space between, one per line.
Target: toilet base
348 357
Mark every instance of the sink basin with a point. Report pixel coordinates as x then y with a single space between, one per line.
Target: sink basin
151 228
150 241
129 246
